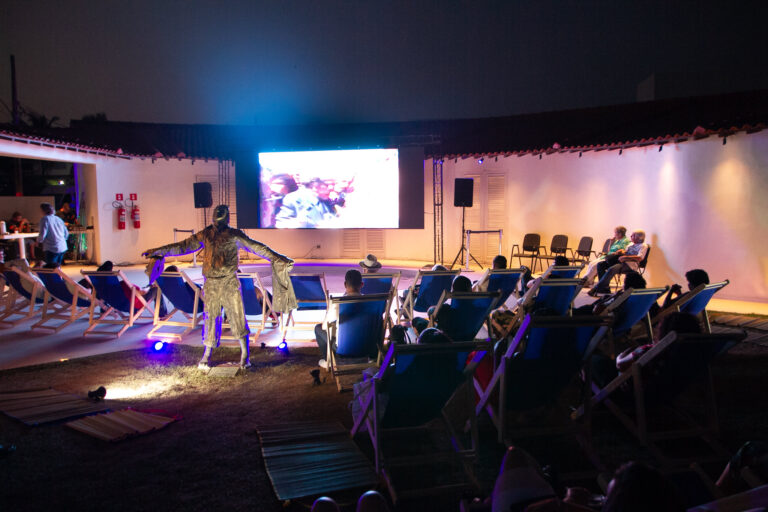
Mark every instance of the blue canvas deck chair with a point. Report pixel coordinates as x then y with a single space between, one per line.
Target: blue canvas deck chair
695 303
359 333
504 281
65 300
540 363
468 312
383 283
185 297
311 295
256 305
645 397
23 299
632 307
425 291
566 272
119 308
416 385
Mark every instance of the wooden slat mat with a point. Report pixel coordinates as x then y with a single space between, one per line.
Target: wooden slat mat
309 459
39 406
119 425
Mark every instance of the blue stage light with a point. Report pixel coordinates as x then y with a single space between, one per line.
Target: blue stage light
282 346
158 346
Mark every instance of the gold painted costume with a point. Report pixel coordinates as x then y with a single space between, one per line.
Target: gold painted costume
219 244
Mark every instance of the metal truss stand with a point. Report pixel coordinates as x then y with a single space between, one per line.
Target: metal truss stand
437 208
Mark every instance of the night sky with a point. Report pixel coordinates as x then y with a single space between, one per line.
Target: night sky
307 61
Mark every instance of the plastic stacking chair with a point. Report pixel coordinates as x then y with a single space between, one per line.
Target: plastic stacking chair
504 281
62 306
359 333
415 385
311 295
530 249
653 383
695 303
558 247
542 360
583 251
425 291
186 298
20 303
468 312
119 308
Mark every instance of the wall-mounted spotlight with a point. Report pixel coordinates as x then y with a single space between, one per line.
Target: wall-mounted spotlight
661 146
539 156
725 139
621 151
579 154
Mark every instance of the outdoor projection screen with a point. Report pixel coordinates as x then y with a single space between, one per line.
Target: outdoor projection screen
329 189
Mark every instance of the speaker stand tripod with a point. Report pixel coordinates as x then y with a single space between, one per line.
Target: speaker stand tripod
463 250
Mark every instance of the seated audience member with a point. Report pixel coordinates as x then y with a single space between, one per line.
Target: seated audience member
443 321
325 504
638 488
370 264
171 268
621 262
481 285
148 295
559 261
353 283
694 277
18 224
372 501
619 242
67 214
681 323
431 336
753 455
632 280
435 268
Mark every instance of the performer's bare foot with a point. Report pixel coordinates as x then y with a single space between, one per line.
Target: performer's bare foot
245 363
245 360
203 364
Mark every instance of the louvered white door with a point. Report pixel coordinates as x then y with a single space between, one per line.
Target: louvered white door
495 213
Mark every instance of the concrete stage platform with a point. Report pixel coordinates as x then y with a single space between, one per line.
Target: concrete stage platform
21 346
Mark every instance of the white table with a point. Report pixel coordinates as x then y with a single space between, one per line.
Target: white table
20 237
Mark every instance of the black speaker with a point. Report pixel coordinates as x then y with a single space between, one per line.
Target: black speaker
204 195
462 192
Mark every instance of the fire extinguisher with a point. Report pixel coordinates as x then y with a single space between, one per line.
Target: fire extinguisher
121 217
136 216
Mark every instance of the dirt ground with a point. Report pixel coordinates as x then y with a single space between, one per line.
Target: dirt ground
211 458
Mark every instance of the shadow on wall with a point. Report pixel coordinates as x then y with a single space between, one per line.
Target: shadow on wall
658 265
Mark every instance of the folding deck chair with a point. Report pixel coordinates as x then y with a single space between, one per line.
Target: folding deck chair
19 303
253 306
425 291
542 360
631 307
118 309
695 303
656 379
186 298
504 281
383 283
359 333
311 295
567 272
469 311
65 300
419 384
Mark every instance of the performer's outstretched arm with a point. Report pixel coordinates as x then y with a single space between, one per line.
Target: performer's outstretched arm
259 248
186 246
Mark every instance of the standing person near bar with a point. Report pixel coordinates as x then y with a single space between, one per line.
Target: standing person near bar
220 244
53 235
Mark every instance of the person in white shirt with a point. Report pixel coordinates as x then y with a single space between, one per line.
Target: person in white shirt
627 260
353 283
53 235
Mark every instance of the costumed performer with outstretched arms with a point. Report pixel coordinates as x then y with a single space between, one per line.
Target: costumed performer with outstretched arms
220 244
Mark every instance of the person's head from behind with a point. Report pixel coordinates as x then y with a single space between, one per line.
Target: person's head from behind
634 280
696 277
372 501
439 268
638 488
370 264
107 266
638 236
461 284
65 206
681 323
561 261
499 262
282 184
171 268
432 336
619 232
46 208
324 504
353 281
16 217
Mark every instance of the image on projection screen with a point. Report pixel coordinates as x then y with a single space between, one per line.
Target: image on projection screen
330 189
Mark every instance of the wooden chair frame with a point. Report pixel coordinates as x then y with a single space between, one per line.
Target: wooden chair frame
125 319
394 298
15 304
446 296
406 310
56 308
289 322
194 319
